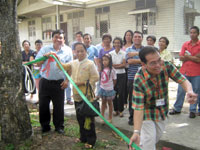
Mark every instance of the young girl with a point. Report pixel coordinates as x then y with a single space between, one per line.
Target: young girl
107 82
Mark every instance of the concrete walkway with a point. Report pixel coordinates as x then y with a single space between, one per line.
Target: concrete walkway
180 129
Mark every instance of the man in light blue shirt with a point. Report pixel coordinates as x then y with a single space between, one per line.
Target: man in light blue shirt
91 50
68 89
52 84
79 38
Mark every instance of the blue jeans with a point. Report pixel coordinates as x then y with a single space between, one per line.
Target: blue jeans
195 81
97 88
68 93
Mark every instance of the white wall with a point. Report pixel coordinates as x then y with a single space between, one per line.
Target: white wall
120 21
197 19
179 34
165 21
24 6
90 22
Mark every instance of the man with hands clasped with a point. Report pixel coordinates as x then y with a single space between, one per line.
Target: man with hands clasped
150 97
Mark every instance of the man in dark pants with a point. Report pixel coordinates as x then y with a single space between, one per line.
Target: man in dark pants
52 84
133 60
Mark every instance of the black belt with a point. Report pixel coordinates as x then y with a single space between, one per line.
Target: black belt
53 81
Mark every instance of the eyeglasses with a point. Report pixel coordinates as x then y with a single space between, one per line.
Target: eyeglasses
154 63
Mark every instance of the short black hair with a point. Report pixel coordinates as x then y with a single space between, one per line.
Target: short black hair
196 28
145 51
120 40
25 42
38 41
107 35
138 33
87 34
166 40
78 43
57 32
79 32
152 37
131 32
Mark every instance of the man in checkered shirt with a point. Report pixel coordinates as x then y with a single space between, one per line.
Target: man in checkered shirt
150 97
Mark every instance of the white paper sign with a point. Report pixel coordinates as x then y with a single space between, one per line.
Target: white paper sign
89 30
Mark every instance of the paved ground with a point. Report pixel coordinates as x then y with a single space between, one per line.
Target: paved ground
180 129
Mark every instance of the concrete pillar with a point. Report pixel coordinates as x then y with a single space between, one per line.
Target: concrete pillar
57 17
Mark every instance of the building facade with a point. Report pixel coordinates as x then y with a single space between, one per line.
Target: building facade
170 18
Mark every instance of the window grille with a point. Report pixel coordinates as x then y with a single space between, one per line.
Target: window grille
31 30
75 17
47 28
189 3
189 22
103 27
145 22
61 18
102 20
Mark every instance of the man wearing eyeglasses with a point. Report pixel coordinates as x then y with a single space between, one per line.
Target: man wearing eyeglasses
150 97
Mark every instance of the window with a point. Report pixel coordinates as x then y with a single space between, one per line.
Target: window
102 10
189 3
102 20
146 22
31 30
142 4
189 22
46 28
76 26
61 18
75 17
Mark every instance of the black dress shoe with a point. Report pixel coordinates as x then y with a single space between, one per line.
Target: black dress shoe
192 115
174 112
36 103
47 129
60 131
130 122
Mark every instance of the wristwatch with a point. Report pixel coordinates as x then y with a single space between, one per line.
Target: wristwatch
136 131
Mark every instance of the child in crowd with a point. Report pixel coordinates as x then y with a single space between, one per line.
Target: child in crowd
107 81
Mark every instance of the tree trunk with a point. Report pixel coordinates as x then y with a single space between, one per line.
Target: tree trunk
15 123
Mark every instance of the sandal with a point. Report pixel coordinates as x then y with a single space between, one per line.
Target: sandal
110 120
115 113
102 122
121 114
77 140
88 146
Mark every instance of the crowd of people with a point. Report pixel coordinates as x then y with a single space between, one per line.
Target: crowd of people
124 73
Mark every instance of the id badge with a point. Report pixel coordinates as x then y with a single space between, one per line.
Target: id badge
160 102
